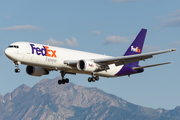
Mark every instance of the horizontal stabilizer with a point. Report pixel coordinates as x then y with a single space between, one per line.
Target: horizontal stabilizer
136 68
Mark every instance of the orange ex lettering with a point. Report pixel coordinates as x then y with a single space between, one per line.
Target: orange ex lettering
48 51
138 50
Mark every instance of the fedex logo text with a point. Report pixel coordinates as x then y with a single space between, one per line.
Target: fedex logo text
135 49
45 51
91 65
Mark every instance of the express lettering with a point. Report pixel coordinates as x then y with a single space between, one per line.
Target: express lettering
45 51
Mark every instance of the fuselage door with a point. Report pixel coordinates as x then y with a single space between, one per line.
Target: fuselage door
28 49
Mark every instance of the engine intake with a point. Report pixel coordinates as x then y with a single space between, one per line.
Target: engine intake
36 71
87 65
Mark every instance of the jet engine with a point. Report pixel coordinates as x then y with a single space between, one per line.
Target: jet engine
36 71
87 65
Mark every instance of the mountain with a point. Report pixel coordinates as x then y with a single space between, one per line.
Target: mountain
49 101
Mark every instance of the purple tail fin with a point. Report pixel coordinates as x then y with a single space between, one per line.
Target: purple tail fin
137 45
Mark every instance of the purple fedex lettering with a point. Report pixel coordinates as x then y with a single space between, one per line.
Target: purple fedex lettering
39 51
32 48
43 53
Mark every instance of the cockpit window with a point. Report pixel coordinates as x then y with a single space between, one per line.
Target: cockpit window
13 46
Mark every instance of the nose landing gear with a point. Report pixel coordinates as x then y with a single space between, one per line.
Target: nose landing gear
17 70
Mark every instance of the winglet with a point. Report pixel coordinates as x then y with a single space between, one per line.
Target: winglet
137 45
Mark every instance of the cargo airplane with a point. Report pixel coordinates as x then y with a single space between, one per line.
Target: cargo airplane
41 59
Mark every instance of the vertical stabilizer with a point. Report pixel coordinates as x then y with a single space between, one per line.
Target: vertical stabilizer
137 45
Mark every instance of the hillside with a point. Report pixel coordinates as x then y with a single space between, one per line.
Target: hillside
49 101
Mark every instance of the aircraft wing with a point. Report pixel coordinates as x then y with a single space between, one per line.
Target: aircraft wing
130 58
122 59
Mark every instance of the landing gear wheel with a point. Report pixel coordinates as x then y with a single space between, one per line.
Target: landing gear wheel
63 81
93 79
89 79
59 82
97 78
17 70
67 80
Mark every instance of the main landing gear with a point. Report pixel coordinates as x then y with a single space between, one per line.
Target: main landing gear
63 81
17 70
93 79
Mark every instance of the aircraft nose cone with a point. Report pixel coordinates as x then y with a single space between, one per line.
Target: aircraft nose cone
7 52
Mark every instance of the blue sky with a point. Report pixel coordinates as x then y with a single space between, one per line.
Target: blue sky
104 27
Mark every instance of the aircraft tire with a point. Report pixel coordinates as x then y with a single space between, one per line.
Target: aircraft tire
67 80
93 79
97 78
59 82
17 70
63 81
89 79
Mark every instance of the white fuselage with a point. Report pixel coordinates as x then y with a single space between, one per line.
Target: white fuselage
40 59
34 55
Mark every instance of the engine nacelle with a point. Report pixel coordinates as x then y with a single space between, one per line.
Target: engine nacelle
87 65
36 71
